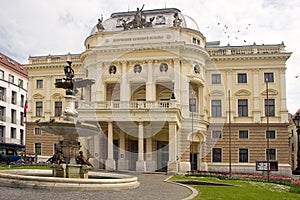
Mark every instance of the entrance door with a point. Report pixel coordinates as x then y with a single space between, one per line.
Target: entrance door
116 152
133 151
194 152
162 156
194 161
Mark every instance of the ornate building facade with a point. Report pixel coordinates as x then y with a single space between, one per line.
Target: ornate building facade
168 100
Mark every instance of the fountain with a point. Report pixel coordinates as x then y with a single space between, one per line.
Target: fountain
69 166
67 162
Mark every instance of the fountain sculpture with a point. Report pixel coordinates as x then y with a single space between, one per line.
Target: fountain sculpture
68 162
69 167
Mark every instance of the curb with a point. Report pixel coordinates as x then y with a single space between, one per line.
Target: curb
193 190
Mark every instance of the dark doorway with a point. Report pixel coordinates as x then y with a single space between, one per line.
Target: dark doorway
162 156
193 161
133 154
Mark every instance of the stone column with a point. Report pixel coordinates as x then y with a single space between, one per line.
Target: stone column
110 162
96 72
122 163
150 163
185 98
96 160
229 87
172 163
256 108
140 163
47 109
150 86
124 87
177 79
283 108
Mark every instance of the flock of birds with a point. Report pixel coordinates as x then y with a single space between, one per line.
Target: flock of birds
232 33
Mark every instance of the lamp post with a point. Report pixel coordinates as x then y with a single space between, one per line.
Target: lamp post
192 109
296 121
268 132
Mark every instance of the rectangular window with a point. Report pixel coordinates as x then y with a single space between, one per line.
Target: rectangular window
11 78
1 74
21 118
2 133
22 101
192 103
242 78
270 107
22 136
243 107
243 134
13 133
2 94
39 109
216 108
217 155
38 148
39 83
216 78
243 155
271 134
271 153
2 113
37 131
58 108
58 80
20 83
269 77
14 97
216 134
13 116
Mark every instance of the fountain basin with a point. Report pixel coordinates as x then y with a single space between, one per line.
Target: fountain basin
42 179
69 129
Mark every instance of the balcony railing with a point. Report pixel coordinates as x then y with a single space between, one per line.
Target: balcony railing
129 105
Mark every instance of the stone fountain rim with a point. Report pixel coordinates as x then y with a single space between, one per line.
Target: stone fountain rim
17 179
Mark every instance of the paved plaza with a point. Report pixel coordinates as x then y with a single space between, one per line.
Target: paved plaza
152 186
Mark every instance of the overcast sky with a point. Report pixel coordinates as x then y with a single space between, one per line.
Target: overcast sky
40 27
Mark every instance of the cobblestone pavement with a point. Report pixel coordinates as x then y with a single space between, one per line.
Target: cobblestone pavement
152 186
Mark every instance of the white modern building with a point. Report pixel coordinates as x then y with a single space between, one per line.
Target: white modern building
13 93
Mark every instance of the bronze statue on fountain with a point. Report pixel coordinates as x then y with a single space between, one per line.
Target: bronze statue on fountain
68 161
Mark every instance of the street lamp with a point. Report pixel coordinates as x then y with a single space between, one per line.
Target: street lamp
296 121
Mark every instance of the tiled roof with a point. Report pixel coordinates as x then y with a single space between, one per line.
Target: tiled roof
12 64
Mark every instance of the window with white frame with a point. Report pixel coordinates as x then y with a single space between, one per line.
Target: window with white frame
216 108
243 107
243 155
216 78
242 77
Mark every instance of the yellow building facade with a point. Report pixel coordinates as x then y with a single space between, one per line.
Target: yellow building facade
166 99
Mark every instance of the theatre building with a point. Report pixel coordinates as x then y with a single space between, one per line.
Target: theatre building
166 99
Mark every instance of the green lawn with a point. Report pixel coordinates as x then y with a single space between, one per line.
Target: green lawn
240 189
5 167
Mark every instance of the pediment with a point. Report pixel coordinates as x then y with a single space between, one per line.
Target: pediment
270 92
57 96
216 93
38 96
243 92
